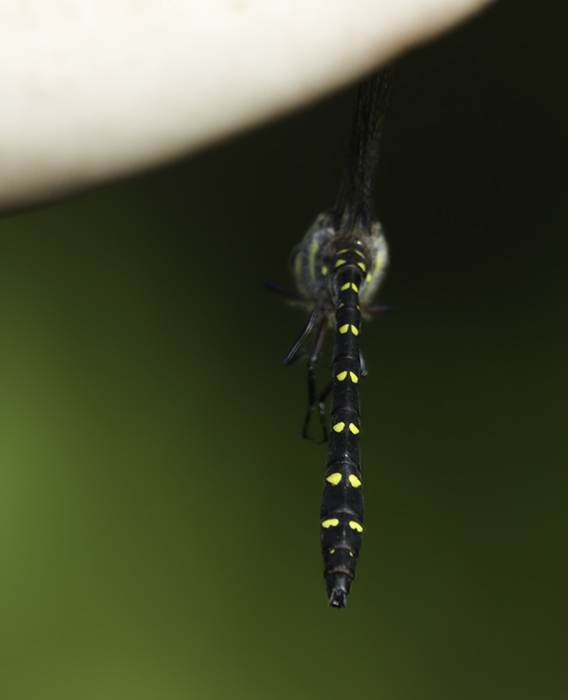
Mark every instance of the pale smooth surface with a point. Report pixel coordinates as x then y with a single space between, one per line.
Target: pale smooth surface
93 90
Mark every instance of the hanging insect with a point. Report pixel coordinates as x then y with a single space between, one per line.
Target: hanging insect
338 268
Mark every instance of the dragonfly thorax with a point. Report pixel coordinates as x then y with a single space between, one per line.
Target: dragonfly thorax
314 261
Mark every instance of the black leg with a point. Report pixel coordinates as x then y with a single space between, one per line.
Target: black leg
311 403
321 406
283 291
294 351
364 371
315 351
377 308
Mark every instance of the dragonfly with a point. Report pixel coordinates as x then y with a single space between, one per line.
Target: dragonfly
338 268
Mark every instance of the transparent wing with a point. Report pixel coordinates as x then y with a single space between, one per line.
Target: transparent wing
355 197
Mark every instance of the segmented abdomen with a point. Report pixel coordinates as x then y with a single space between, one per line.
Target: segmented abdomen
342 498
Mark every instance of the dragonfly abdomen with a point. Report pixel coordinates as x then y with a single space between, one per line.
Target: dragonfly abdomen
342 498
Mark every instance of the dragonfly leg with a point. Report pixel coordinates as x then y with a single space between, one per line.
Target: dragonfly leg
296 349
377 308
321 406
315 351
364 370
283 291
311 403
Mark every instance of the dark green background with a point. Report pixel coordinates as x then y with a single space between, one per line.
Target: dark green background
159 512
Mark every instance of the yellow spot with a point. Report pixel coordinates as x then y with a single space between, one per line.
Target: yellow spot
341 376
344 250
331 551
354 377
360 253
362 266
340 262
334 478
354 481
354 287
313 251
378 263
344 328
355 526
350 554
340 305
354 330
353 428
338 427
334 522
324 271
345 286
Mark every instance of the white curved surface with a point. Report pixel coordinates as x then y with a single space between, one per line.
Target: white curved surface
96 89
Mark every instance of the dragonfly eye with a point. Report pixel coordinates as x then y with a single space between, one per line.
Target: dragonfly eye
294 256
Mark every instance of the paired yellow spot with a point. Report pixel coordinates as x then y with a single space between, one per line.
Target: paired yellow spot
334 522
353 428
340 262
354 481
324 270
354 330
345 286
346 327
354 378
353 286
334 478
313 251
355 526
338 427
362 266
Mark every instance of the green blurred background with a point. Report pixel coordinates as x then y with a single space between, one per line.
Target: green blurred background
159 530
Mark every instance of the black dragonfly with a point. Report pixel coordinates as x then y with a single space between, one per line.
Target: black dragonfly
338 268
